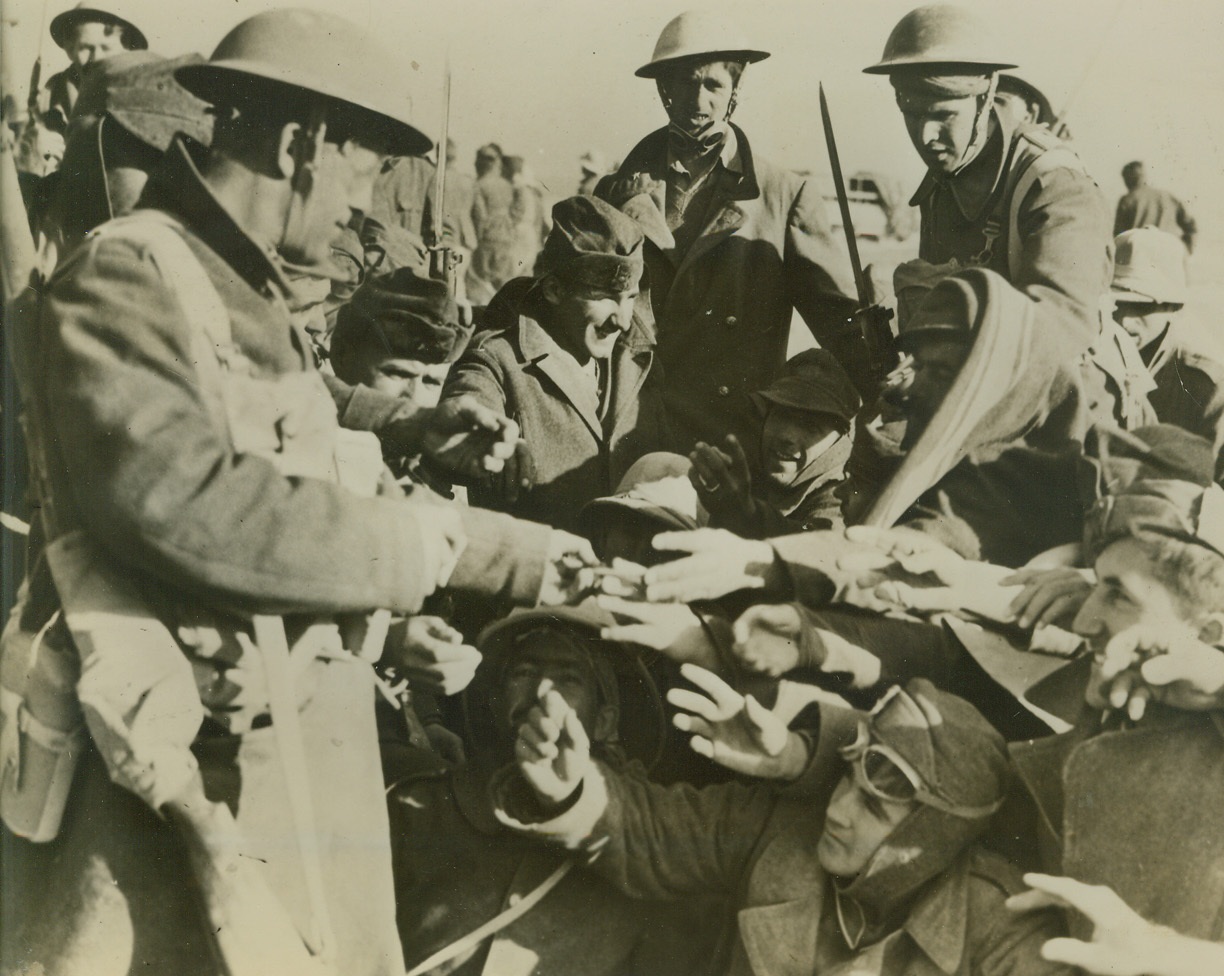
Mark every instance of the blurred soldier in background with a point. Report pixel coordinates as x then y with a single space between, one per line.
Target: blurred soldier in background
593 170
1147 206
86 34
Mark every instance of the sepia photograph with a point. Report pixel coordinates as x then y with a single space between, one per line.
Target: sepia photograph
612 488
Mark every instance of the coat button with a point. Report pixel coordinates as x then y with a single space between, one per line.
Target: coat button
731 320
724 391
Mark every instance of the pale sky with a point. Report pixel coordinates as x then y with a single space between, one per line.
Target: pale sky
549 79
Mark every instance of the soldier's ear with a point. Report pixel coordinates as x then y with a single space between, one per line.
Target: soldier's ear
552 290
287 152
607 725
1212 631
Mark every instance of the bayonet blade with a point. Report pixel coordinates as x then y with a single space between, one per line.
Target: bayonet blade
843 203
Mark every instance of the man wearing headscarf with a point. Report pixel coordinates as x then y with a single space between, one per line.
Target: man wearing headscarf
736 244
1010 198
872 865
805 438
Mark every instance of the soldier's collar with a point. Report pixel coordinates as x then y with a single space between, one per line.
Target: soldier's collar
972 187
179 187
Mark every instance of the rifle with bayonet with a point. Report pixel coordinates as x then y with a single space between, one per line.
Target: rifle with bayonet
443 258
873 319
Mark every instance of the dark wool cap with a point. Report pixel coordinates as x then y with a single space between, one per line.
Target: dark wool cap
593 244
411 317
953 307
813 381
1156 480
139 91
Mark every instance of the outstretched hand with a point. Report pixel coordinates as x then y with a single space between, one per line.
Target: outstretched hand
723 481
434 656
1123 943
735 730
670 628
1142 664
467 439
716 562
552 749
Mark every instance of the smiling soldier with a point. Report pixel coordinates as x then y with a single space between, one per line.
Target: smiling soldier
570 361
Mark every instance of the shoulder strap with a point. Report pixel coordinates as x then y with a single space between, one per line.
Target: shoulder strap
1022 179
495 924
203 309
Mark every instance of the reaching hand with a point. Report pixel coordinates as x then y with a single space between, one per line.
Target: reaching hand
718 562
564 579
1051 597
670 628
552 749
1175 669
1123 943
468 439
434 656
736 731
723 481
767 639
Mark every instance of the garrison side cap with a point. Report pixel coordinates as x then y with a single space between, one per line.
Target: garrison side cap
316 52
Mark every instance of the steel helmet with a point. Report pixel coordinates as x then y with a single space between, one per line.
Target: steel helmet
939 34
317 52
699 34
1012 83
82 13
1149 266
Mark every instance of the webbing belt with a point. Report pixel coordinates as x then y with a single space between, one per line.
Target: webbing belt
495 924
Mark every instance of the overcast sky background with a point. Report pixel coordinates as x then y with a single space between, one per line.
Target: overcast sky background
548 79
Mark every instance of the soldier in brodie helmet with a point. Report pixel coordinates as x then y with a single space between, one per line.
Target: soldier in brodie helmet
997 195
734 243
86 34
216 548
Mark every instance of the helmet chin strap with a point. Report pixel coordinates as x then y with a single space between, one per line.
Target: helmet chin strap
307 153
981 124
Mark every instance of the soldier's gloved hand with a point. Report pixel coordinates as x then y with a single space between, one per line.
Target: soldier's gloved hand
467 439
564 579
718 562
552 749
734 730
434 657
